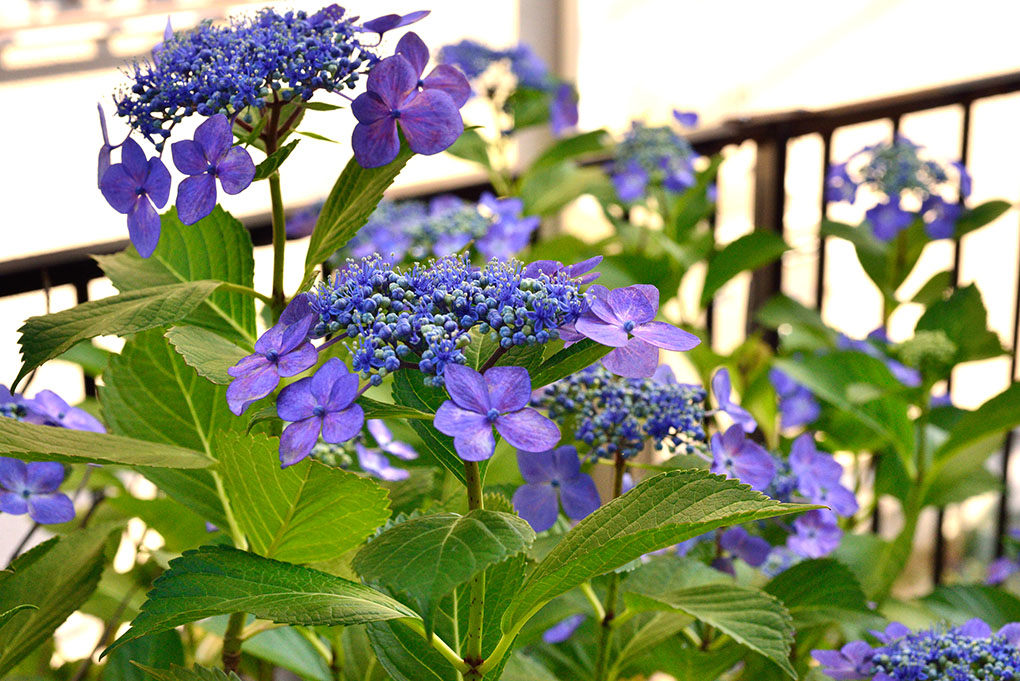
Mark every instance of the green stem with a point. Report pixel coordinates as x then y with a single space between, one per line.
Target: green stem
476 608
436 642
596 604
279 300
244 290
607 628
232 642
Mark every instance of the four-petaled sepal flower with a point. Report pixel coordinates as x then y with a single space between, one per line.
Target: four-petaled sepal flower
553 477
722 387
32 488
734 456
207 157
132 187
320 404
499 399
443 77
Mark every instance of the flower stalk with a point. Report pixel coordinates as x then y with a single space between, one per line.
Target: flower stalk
612 588
476 607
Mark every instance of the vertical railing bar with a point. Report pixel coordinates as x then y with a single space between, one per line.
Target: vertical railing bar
81 294
769 209
822 240
1003 515
713 218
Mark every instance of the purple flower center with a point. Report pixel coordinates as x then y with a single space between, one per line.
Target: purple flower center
492 415
26 493
319 411
394 113
628 326
273 356
554 483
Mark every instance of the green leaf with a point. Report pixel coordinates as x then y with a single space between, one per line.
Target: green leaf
220 580
375 409
781 310
427 557
46 337
960 602
964 320
353 198
158 652
316 136
45 443
646 633
321 106
571 147
749 616
979 216
273 162
664 510
194 489
196 673
89 357
216 247
56 577
5 617
749 252
409 390
820 591
471 146
406 656
568 361
862 386
305 513
934 289
528 106
871 253
206 352
547 190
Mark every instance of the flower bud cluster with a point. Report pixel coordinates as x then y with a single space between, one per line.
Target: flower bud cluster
415 230
652 155
615 415
223 69
425 313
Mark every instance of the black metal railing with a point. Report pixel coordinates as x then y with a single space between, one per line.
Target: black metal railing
772 135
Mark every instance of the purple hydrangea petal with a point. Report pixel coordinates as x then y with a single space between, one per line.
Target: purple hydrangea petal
476 446
888 219
637 359
196 198
299 308
509 388
236 171
132 158
13 503
118 188
566 463
13 473
450 80
453 420
144 227
296 401
245 390
375 463
631 183
975 628
370 108
157 182
580 497
392 78
468 388
431 122
79 419
666 336
1010 632
44 476
298 439
50 509
635 303
1001 569
188 157
271 340
414 50
214 137
342 394
325 379
388 22
602 332
538 467
297 360
341 426
537 504
375 144
563 630
563 112
528 430
688 119
401 450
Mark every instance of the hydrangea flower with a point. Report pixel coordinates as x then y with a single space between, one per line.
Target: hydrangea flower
388 22
443 77
552 477
223 69
131 187
878 338
688 119
282 351
752 550
301 223
375 461
817 534
734 456
429 118
319 404
797 404
579 271
510 232
652 155
623 319
896 171
721 388
49 409
496 399
562 630
205 159
32 488
12 405
852 661
619 416
563 113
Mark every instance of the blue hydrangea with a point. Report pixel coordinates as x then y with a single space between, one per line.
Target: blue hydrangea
225 68
659 156
424 314
615 415
897 172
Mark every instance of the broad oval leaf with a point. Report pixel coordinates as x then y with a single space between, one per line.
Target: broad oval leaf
568 361
749 252
964 320
196 673
208 353
306 513
273 162
220 580
664 510
820 591
46 443
45 337
428 557
353 198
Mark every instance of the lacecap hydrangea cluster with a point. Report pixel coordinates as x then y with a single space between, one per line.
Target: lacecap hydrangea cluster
897 172
426 313
965 653
657 156
619 416
223 69
409 231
